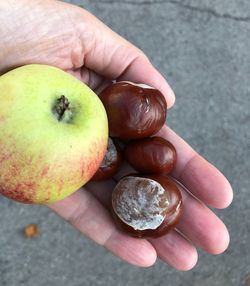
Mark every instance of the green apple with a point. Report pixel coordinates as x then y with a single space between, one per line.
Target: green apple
53 134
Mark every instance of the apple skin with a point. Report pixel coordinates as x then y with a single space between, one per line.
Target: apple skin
43 159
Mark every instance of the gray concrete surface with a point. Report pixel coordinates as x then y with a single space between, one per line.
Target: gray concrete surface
203 48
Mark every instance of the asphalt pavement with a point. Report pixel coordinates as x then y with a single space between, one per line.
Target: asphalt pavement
203 49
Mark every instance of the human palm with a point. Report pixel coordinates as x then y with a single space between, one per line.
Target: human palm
66 36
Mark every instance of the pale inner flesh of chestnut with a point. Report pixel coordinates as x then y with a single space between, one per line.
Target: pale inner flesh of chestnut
110 156
141 203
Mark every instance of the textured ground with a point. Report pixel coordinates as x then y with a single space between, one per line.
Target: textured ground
203 48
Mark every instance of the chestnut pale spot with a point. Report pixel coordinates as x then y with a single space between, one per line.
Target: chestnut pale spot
111 163
111 154
129 194
140 202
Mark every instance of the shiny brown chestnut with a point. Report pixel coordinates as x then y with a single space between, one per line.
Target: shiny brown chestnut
153 155
148 206
111 162
134 111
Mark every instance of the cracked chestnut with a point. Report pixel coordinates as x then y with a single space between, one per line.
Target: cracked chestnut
134 110
152 155
148 206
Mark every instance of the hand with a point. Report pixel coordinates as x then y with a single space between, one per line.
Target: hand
66 36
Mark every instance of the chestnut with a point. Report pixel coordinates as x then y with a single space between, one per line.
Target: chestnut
134 111
152 155
148 206
111 162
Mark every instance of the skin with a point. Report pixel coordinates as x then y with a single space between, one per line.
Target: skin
92 52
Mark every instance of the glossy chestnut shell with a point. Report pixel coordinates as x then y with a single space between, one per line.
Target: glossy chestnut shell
111 162
171 197
152 155
134 111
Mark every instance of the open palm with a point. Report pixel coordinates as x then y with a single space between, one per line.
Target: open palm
66 36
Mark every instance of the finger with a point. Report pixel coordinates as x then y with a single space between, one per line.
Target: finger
95 81
175 250
110 55
201 226
87 215
200 177
102 191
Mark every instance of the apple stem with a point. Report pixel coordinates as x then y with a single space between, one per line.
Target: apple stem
61 106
